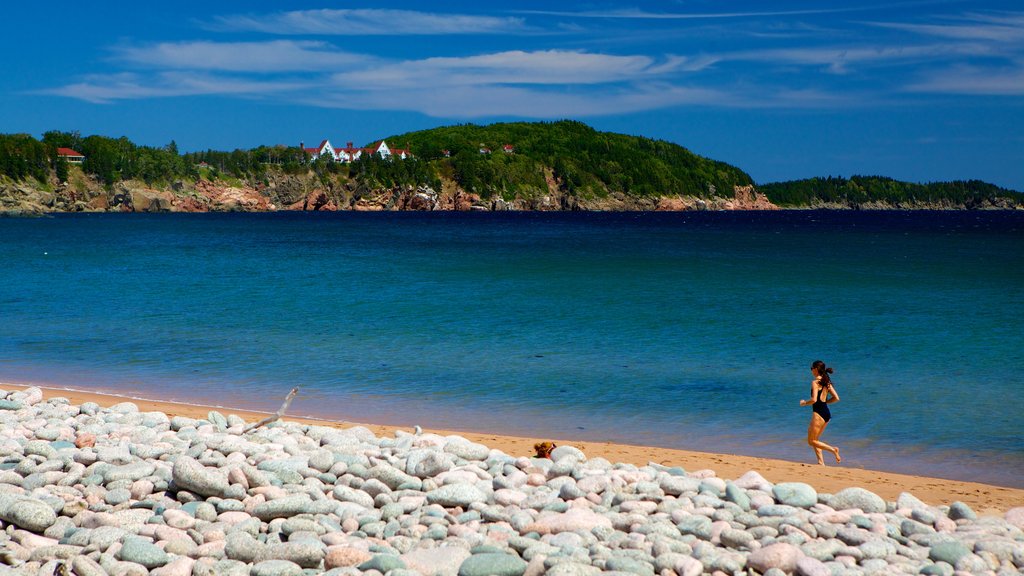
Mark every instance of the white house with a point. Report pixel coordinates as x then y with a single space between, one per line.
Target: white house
381 148
324 149
350 153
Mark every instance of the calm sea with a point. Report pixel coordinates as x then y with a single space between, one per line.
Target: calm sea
688 330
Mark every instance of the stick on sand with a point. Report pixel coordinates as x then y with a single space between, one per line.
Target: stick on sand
276 415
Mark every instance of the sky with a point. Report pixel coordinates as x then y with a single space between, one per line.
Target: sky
915 90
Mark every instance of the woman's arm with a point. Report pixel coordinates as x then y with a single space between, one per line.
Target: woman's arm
833 395
815 389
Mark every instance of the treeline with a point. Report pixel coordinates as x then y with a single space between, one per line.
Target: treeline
858 190
583 161
111 160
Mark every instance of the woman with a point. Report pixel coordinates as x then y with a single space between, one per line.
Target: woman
823 393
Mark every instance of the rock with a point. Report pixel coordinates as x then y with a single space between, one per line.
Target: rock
188 474
736 538
573 520
492 565
808 566
383 563
860 498
282 507
11 405
568 452
276 568
427 463
452 495
699 526
304 554
442 561
467 450
1015 516
781 556
960 511
795 494
737 495
629 566
85 566
28 513
343 556
142 552
949 552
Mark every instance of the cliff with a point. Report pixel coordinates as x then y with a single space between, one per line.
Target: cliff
279 191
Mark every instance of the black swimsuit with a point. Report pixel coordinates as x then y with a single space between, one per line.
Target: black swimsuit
820 407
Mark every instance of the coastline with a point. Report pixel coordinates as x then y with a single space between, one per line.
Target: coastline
984 498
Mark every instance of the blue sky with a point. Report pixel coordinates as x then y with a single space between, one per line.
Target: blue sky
916 90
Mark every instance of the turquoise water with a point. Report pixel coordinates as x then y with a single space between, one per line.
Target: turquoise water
691 330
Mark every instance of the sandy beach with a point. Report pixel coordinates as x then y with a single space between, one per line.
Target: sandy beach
983 498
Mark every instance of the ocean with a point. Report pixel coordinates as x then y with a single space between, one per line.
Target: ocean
685 330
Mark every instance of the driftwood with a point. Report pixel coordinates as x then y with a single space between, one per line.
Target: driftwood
276 415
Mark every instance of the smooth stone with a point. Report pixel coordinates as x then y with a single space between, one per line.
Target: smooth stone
808 566
736 538
467 450
629 565
949 552
865 500
492 565
441 561
383 563
737 495
29 513
452 495
344 556
85 566
960 511
142 552
11 405
304 554
781 556
276 568
282 507
796 494
573 520
190 475
699 526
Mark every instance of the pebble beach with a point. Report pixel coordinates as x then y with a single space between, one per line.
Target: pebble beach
122 489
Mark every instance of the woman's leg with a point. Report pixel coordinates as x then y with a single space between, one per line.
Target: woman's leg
814 432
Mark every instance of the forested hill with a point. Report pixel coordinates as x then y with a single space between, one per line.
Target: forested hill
882 192
584 162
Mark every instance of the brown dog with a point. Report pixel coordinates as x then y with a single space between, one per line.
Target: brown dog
544 449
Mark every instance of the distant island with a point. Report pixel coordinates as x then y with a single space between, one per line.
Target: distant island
563 165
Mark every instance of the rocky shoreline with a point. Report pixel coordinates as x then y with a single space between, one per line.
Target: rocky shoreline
307 193
91 491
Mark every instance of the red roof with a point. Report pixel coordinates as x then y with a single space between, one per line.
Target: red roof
67 152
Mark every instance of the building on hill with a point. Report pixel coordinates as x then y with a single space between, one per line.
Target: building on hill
350 153
70 155
323 150
508 149
382 149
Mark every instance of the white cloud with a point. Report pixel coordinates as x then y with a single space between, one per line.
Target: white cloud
551 67
369 22
636 14
107 88
1002 27
489 100
974 80
274 56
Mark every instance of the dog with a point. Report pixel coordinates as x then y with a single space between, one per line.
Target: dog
544 449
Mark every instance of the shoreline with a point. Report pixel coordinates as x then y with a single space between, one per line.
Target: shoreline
984 498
